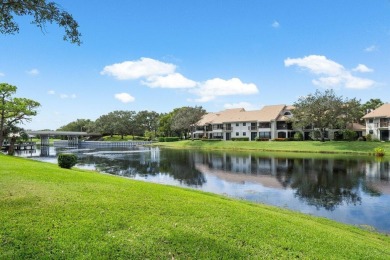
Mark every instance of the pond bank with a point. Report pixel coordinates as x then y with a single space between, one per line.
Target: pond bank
330 147
75 212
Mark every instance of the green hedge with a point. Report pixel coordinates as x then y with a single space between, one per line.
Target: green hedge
262 139
168 139
67 160
240 138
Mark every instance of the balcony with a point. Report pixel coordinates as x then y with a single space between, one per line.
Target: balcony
253 128
228 128
384 124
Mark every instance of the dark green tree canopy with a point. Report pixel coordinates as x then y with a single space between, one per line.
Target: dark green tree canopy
14 111
323 110
372 104
185 118
43 12
80 125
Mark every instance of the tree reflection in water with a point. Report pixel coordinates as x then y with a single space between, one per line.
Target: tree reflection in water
323 183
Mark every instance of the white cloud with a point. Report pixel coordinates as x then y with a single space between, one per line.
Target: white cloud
362 68
157 74
175 80
144 67
246 105
332 73
124 97
51 92
212 88
65 96
371 48
33 72
316 64
275 24
2 74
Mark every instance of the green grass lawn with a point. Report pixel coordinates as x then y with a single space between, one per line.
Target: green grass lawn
283 146
48 212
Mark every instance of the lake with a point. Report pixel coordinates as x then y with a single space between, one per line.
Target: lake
353 190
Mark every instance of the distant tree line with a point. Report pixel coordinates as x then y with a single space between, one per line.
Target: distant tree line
148 124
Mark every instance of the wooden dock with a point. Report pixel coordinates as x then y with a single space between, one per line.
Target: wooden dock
21 146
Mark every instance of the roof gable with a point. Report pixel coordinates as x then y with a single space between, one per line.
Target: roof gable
382 111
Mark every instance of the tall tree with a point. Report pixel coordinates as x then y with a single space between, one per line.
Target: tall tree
80 125
43 12
164 124
324 110
371 104
117 122
14 111
185 118
147 120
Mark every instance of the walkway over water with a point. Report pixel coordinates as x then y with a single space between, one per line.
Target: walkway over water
73 137
103 144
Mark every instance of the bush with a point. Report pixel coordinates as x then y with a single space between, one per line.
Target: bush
379 151
315 135
280 139
67 160
262 139
240 138
298 136
161 139
369 137
361 138
171 139
349 135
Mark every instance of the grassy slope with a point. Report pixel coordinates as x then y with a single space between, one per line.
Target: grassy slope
286 146
48 212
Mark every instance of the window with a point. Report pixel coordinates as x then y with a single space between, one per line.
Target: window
244 124
244 133
237 134
265 135
371 132
287 113
264 125
370 120
236 124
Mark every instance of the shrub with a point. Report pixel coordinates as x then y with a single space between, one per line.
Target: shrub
369 137
298 136
67 160
379 151
315 135
171 139
161 139
361 138
240 138
349 135
262 139
280 139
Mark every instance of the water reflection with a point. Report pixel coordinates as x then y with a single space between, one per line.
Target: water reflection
352 190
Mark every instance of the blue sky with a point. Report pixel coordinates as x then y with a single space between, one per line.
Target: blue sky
160 55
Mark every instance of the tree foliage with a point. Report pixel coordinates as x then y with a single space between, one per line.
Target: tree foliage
372 104
117 122
323 110
43 12
147 120
14 111
186 117
80 125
